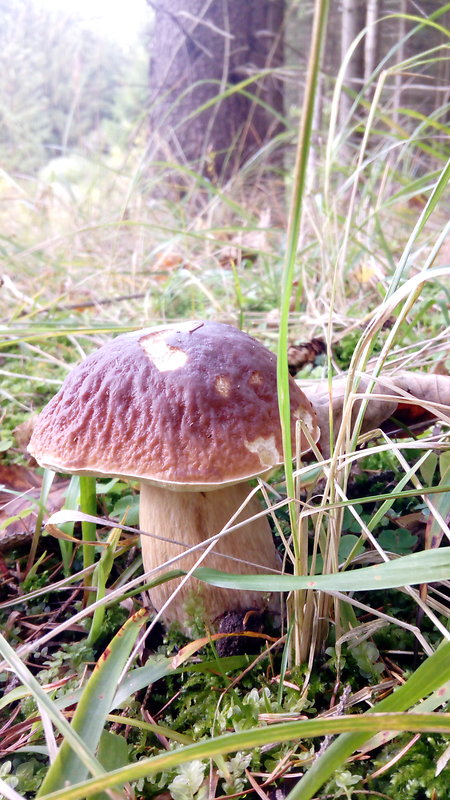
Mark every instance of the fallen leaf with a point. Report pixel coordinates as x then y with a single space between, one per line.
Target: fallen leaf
22 433
18 478
20 489
409 400
370 271
166 263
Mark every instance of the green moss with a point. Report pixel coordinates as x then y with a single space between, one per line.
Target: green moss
414 776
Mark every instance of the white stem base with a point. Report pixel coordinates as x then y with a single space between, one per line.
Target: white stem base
192 517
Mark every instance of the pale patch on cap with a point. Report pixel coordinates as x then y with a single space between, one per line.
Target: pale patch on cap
256 379
222 385
165 357
266 450
306 418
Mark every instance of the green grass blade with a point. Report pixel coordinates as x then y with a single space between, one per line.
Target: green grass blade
162 730
72 738
88 504
365 725
112 753
295 217
89 718
437 193
99 579
71 502
423 567
156 668
47 480
431 675
135 680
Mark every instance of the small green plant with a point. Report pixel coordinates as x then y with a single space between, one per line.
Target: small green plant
188 783
343 783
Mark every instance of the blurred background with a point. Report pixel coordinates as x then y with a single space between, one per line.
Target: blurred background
147 154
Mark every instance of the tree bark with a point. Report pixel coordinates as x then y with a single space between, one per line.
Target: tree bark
371 39
398 81
200 51
352 22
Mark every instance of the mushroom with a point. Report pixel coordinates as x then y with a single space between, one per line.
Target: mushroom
189 410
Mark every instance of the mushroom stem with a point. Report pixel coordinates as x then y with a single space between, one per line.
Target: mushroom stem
192 517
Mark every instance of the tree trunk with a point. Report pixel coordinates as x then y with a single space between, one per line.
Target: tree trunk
352 22
398 82
201 50
371 39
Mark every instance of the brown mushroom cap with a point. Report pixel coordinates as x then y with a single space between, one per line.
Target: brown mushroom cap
191 405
